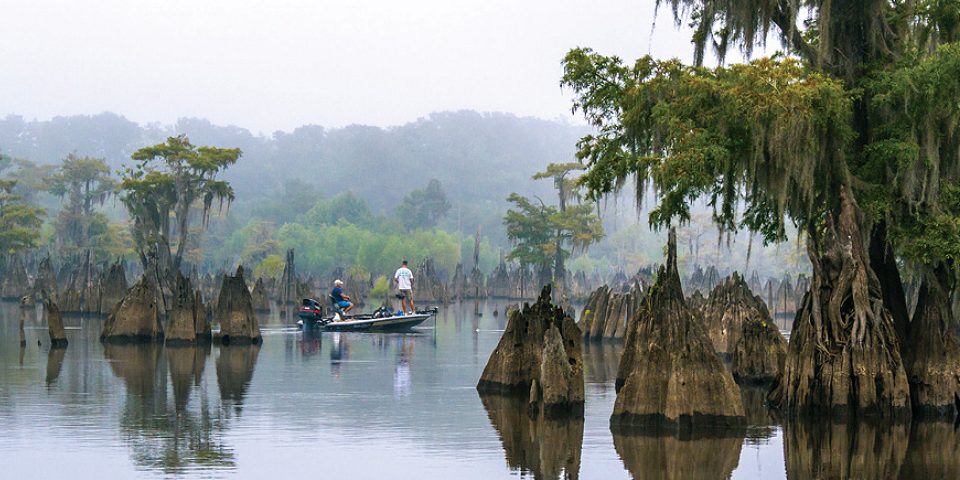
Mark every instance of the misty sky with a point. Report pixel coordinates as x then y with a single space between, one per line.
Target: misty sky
275 65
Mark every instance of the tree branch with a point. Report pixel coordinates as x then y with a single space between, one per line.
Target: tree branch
791 34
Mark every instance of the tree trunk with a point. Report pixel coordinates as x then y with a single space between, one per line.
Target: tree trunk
559 270
183 230
931 352
844 357
884 264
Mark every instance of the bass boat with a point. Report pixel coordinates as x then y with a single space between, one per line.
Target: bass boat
312 316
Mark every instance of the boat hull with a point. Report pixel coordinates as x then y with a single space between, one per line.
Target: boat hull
386 324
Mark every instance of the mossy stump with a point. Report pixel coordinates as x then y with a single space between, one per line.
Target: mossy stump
539 355
669 375
234 312
58 336
113 288
186 315
741 328
259 298
136 318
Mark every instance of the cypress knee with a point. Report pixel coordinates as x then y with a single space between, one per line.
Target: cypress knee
669 372
58 336
540 346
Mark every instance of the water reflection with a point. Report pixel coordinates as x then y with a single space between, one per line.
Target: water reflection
160 437
186 364
762 422
54 364
235 366
652 455
934 451
844 450
339 353
547 447
149 410
401 372
310 343
601 360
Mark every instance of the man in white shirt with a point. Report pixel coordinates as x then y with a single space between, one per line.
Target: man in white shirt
404 280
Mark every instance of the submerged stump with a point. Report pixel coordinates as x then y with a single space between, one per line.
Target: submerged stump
741 328
113 288
136 318
539 355
185 316
669 374
759 355
729 306
238 322
259 298
58 336
931 351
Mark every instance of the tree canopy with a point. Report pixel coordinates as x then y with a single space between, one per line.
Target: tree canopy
539 232
19 221
166 183
850 133
424 207
84 183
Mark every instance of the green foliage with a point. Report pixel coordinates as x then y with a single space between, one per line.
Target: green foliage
321 248
344 206
85 183
910 168
381 287
286 204
423 208
19 223
270 267
537 230
754 132
340 232
168 179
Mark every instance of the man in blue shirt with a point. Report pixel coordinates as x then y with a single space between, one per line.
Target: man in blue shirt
343 300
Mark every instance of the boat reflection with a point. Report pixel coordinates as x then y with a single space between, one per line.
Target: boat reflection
309 343
401 372
339 353
549 448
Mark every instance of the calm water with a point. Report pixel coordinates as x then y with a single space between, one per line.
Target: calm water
376 405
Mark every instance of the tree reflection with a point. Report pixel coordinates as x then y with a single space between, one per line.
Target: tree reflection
186 365
54 364
762 421
933 451
235 366
653 454
169 437
601 358
547 447
858 449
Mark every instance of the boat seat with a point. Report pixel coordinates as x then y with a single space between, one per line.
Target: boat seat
336 307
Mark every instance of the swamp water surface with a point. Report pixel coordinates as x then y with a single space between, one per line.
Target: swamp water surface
361 405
